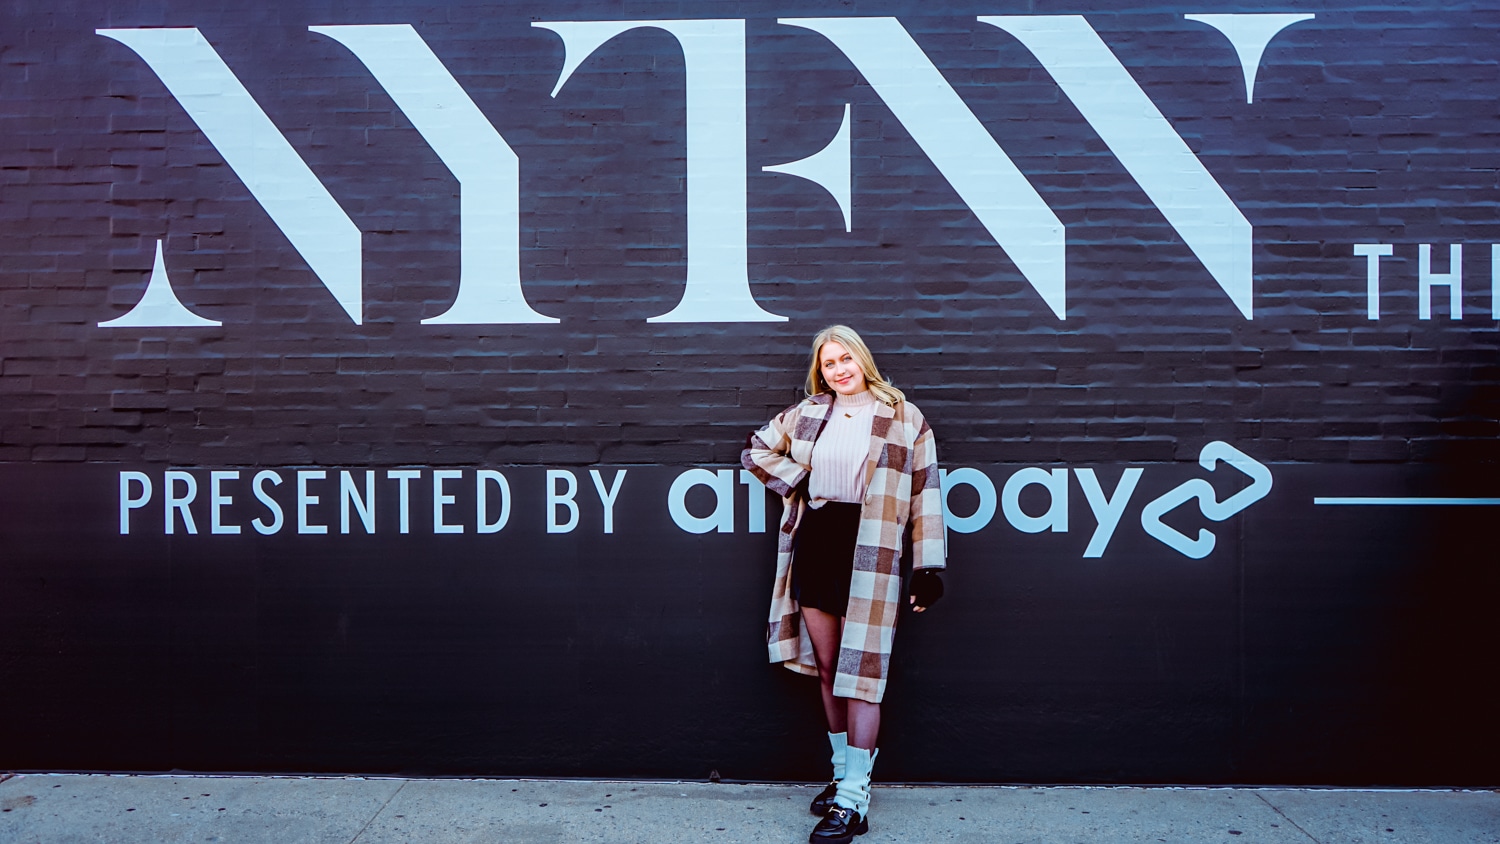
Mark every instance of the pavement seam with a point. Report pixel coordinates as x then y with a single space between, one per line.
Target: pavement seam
1287 819
378 811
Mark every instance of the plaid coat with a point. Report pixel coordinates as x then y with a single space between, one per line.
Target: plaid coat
903 495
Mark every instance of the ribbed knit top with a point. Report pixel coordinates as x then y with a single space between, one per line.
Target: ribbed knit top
839 455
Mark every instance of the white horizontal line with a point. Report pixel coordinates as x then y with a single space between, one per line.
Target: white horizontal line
1491 502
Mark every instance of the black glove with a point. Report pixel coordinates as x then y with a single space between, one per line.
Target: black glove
926 587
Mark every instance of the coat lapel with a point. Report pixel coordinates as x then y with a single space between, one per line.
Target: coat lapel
880 428
810 424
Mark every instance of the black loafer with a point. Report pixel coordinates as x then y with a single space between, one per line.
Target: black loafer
824 801
839 826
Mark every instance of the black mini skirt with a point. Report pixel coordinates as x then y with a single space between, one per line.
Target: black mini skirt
823 557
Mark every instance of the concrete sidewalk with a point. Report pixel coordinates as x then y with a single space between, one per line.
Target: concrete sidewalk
65 808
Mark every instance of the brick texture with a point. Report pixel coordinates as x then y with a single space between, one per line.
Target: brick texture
1316 645
1371 123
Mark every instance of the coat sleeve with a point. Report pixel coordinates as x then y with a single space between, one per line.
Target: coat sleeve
767 456
929 539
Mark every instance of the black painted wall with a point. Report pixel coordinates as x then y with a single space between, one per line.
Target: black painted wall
1315 644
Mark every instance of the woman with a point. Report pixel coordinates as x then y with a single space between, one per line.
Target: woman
856 467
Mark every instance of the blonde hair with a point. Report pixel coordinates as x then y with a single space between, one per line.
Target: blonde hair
849 339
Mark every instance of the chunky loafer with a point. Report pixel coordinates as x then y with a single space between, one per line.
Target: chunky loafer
839 826
824 801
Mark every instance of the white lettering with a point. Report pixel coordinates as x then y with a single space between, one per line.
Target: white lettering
217 501
159 306
487 169
257 152
713 53
258 487
441 500
981 484
1107 511
1495 280
827 168
487 476
364 506
1209 458
1144 142
1249 33
1453 279
959 146
756 506
177 503
305 500
403 497
1056 484
129 502
1372 253
607 496
557 499
722 484
1196 548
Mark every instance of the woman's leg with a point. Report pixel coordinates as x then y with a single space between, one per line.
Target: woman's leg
864 723
825 630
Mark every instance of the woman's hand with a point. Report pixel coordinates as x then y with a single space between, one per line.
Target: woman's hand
926 589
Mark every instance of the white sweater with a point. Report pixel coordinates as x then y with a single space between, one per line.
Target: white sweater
839 455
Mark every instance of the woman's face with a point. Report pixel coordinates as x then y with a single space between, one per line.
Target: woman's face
840 370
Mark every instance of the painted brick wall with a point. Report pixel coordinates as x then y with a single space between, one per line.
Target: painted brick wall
1371 123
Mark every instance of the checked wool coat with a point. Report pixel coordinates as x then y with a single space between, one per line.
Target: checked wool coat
903 494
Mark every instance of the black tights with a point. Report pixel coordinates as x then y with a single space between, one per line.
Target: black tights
860 719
